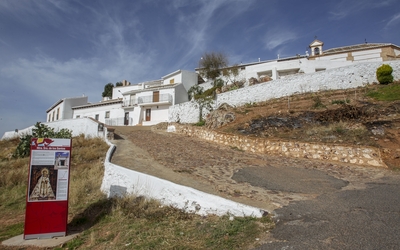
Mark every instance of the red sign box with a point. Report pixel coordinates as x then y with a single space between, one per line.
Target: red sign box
48 188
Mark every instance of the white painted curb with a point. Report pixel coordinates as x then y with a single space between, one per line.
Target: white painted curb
119 181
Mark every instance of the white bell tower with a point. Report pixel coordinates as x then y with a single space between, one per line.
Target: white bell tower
316 47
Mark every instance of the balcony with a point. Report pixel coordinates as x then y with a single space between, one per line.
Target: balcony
163 98
129 103
120 121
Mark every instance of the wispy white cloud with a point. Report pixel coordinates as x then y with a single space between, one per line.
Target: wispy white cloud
4 43
344 8
276 37
36 13
393 20
199 27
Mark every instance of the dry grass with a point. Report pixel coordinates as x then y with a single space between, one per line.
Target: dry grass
135 222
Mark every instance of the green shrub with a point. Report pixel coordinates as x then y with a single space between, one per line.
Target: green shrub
384 74
40 131
340 101
200 123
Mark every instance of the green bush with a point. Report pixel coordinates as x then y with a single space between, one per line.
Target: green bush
384 74
40 131
200 123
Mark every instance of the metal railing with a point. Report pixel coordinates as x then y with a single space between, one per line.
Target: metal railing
129 103
120 121
149 98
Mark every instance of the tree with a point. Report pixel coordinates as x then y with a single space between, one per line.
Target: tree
108 88
118 84
203 98
211 64
230 73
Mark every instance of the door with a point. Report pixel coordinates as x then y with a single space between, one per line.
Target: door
156 96
148 115
126 119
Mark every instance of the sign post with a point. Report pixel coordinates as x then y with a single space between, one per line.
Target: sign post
46 212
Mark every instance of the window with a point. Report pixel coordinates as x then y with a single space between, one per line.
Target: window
58 113
96 117
54 114
172 81
107 114
78 116
316 51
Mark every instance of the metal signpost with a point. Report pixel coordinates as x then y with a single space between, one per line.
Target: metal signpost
48 185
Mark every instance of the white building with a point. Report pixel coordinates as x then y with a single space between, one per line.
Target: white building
149 104
62 109
145 103
319 60
100 111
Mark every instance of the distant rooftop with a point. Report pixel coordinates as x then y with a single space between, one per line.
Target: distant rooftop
357 47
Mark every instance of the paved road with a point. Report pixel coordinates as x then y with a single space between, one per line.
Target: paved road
349 219
317 205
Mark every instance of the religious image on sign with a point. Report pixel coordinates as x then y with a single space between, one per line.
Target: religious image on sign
43 183
61 160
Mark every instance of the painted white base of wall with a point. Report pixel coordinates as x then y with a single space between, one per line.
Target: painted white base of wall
118 181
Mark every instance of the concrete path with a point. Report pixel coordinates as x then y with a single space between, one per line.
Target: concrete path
43 243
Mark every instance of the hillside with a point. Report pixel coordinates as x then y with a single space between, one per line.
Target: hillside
367 116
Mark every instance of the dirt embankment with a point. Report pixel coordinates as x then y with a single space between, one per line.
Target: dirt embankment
343 117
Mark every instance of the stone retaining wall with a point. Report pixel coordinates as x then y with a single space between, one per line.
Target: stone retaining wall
355 155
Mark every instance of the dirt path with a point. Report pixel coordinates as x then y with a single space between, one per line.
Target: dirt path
267 182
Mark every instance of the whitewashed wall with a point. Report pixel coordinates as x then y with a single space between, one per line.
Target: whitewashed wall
78 126
340 78
118 181
115 111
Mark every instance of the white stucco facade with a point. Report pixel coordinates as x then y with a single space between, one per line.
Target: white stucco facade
100 111
150 104
62 109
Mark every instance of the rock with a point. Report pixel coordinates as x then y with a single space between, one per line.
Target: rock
220 117
378 131
265 78
252 81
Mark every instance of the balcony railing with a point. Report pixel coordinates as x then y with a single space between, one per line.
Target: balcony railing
128 103
120 121
149 99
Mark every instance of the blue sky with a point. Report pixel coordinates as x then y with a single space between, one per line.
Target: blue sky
51 49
